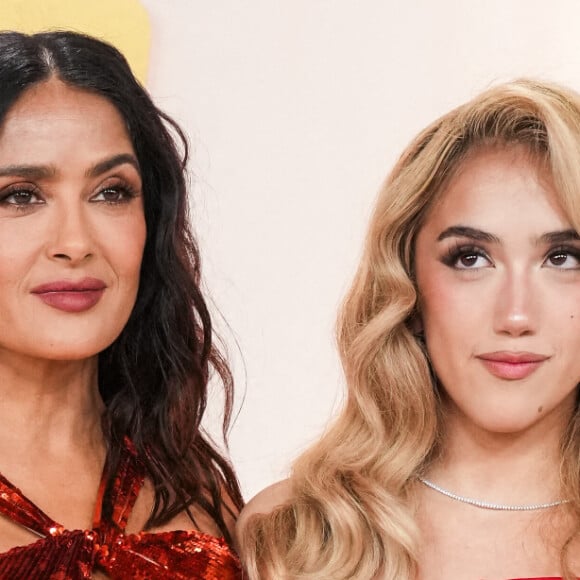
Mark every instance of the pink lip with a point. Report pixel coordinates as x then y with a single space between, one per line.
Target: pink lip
71 296
512 365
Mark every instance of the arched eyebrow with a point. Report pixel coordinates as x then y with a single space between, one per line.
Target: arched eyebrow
108 164
467 232
36 172
555 237
559 237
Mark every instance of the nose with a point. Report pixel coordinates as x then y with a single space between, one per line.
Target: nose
71 240
515 305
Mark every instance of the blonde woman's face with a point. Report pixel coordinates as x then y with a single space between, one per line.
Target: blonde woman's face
498 271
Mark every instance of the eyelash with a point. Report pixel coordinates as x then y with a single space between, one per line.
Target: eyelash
126 192
455 253
572 251
16 190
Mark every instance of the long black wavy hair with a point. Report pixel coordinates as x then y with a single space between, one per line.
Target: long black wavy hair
154 377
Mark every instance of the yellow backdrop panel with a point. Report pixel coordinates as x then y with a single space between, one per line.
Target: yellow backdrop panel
124 23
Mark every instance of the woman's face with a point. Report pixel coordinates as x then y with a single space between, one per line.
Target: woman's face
72 226
498 272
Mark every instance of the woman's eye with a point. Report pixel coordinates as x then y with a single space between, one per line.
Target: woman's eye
564 259
113 195
20 198
471 260
466 259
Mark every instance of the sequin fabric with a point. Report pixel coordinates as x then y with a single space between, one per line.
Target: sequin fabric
62 554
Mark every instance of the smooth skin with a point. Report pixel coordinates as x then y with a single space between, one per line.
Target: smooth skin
498 271
71 207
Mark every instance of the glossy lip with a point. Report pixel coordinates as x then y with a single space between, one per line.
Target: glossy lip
69 295
512 365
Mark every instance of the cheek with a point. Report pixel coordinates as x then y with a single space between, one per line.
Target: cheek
565 327
449 337
453 322
18 252
127 247
449 310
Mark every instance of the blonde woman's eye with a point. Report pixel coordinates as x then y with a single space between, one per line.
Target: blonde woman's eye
466 258
565 259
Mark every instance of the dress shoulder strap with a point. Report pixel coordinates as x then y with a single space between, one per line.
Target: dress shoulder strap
19 509
116 498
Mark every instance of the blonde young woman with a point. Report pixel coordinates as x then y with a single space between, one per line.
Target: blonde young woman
457 453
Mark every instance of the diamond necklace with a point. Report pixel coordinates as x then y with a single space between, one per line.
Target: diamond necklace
492 506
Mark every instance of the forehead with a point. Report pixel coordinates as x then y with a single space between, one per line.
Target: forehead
500 189
51 113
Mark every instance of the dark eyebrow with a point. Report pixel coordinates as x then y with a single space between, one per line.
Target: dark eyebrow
28 171
36 172
467 232
559 237
108 164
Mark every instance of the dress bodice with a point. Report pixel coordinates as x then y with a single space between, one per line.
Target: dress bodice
61 554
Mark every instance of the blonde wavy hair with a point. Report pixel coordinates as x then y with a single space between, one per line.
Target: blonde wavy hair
351 513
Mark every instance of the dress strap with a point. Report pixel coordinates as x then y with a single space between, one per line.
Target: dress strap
19 509
116 500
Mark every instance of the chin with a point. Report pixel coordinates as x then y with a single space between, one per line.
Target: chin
70 349
71 355
507 424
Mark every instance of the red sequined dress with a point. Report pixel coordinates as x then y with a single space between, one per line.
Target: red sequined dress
62 554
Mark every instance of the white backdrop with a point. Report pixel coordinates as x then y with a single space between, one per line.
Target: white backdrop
296 110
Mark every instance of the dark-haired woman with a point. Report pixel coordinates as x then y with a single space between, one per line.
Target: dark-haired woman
105 339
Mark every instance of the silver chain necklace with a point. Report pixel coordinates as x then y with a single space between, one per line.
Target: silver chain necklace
492 506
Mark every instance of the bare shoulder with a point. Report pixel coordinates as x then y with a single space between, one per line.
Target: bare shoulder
266 501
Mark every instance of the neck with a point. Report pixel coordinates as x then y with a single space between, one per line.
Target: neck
48 406
514 468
